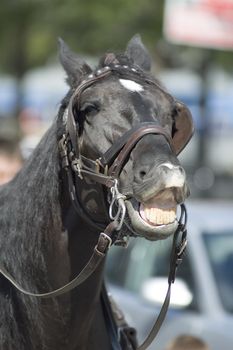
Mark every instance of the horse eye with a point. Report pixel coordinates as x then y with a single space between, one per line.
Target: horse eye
90 108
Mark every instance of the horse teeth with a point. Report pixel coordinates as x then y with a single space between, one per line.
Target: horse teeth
159 216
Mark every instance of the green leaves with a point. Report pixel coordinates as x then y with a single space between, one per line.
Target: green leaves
29 28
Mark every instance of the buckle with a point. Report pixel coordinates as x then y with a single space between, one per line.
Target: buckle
76 165
104 243
109 239
62 146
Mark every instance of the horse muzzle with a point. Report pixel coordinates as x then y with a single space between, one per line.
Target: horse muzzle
152 208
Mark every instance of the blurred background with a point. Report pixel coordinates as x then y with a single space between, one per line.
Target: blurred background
191 44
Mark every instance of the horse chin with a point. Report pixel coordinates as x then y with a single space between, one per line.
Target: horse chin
149 229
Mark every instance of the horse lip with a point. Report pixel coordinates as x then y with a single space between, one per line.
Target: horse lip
176 195
153 194
145 229
143 194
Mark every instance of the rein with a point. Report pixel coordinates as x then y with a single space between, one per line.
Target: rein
178 248
104 242
106 171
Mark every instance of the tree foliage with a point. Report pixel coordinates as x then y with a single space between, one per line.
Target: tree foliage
29 28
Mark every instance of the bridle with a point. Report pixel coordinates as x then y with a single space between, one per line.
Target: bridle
106 171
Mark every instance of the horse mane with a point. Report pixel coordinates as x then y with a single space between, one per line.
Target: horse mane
31 228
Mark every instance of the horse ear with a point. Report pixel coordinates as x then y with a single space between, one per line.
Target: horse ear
138 53
73 64
184 127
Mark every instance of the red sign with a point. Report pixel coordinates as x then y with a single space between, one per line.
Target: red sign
205 23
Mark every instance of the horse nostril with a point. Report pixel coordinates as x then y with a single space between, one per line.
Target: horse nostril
142 174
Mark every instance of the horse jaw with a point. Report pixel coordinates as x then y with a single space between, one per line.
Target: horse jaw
155 218
143 227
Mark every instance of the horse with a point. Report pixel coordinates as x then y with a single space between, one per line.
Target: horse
106 169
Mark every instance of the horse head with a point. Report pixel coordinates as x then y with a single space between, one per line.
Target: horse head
119 133
123 120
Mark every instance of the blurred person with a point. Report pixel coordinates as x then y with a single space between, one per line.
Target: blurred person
10 159
30 122
187 342
32 128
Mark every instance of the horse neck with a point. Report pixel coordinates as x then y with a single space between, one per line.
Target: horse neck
86 313
31 201
70 241
34 248
31 218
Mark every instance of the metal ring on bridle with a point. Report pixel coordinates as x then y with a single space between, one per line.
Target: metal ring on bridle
118 201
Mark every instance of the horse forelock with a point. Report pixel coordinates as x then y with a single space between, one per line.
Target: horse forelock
111 59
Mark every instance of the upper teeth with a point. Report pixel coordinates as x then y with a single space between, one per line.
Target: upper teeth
157 216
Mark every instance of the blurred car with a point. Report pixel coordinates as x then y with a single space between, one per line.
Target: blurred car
202 296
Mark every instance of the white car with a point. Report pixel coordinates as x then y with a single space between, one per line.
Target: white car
202 296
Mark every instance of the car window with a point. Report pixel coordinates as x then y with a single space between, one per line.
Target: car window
220 253
130 268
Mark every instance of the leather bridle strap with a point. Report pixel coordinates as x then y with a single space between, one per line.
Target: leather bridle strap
147 129
104 242
134 134
159 321
99 253
178 247
71 124
115 157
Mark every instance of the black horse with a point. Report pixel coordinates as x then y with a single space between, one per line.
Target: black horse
107 164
